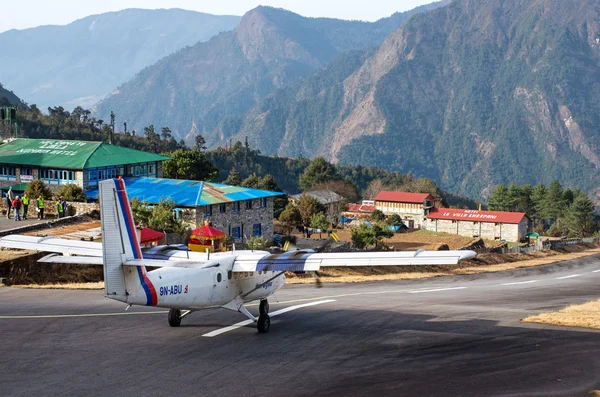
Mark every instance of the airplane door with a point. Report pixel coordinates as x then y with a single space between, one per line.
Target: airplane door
219 293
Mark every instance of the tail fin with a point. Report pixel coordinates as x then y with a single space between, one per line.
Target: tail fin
119 237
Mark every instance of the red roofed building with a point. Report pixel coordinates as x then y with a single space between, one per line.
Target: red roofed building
360 211
412 207
491 225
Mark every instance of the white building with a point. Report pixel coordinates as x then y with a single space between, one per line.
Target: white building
411 207
490 225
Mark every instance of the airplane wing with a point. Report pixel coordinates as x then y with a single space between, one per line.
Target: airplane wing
52 244
297 261
98 260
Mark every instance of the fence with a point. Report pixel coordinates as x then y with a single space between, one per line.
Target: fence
541 246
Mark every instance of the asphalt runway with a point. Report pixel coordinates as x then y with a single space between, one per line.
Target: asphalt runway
453 336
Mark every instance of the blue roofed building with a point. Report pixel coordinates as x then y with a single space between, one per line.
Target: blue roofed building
238 211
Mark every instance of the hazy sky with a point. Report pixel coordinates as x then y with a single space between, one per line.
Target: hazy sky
26 14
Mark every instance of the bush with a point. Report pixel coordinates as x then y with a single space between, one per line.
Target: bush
257 242
72 192
378 216
363 236
38 188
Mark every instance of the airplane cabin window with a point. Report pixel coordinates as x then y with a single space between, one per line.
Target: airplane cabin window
219 277
229 274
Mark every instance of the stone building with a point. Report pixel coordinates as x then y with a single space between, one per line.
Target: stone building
491 225
411 207
238 211
61 162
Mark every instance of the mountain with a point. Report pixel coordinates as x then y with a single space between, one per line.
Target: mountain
475 94
193 90
82 62
8 97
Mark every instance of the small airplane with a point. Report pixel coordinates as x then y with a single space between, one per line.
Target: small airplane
185 281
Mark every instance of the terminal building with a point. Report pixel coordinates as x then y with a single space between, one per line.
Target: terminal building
61 162
490 225
238 211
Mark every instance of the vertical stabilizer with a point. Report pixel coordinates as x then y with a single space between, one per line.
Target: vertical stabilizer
120 244
113 249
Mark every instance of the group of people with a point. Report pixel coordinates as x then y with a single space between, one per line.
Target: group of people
20 206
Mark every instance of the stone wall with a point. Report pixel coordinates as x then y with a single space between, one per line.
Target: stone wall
245 219
50 208
485 230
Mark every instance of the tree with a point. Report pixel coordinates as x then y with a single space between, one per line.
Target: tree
268 183
234 178
375 187
141 212
252 181
554 205
382 231
189 164
308 206
318 171
38 188
152 137
162 219
538 195
72 192
320 221
200 142
514 197
499 200
378 216
290 218
395 220
580 217
257 242
363 236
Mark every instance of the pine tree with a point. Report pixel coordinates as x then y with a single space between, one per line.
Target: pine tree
580 217
499 200
554 205
538 194
233 179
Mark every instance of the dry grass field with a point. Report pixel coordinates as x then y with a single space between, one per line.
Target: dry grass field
586 315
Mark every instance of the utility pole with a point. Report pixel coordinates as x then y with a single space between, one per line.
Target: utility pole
8 114
112 127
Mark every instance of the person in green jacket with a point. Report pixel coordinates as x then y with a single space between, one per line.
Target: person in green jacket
40 205
59 209
25 201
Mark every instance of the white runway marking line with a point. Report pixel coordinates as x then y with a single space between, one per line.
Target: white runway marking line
521 282
435 290
565 277
80 315
277 313
596 271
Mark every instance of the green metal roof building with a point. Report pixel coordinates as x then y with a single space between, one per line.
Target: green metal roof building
59 162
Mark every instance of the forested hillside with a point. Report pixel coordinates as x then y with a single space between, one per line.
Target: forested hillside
202 89
8 97
471 95
82 62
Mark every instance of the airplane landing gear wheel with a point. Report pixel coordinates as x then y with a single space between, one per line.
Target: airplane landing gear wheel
264 322
174 317
264 307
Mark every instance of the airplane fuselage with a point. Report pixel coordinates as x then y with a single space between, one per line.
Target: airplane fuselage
197 288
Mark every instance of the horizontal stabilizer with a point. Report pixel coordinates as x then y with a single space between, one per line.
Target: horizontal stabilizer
52 244
73 260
